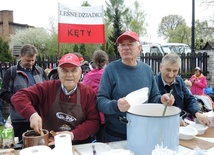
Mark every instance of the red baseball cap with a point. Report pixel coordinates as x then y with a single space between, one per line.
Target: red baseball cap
69 59
128 34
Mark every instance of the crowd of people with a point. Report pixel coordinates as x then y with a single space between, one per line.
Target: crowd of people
86 101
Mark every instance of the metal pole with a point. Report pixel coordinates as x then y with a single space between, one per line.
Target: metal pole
193 27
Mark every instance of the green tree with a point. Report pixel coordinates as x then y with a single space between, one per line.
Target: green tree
51 44
82 50
85 3
117 18
76 48
174 29
169 24
35 36
203 33
5 55
180 35
137 23
115 9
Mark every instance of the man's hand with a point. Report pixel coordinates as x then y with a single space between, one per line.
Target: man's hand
36 122
166 98
123 105
183 123
203 119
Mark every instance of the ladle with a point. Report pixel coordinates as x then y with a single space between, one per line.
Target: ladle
42 141
53 133
167 103
42 133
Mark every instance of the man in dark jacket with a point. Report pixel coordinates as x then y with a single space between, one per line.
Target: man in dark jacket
168 79
23 75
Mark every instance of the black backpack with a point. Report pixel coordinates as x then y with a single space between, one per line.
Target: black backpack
13 75
53 75
14 68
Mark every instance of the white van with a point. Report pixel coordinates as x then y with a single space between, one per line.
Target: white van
155 48
152 48
178 48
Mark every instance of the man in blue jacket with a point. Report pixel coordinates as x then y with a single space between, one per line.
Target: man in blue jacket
168 79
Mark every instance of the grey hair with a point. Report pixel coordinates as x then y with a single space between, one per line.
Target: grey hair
172 58
28 49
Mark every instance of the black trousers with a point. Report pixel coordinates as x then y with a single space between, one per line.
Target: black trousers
19 128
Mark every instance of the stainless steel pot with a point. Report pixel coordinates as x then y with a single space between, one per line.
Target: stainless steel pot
147 127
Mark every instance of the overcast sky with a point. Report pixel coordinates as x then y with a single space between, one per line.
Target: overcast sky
38 12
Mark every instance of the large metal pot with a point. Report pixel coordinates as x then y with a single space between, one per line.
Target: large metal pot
147 127
32 138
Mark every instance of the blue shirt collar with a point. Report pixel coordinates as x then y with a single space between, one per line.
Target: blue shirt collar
66 92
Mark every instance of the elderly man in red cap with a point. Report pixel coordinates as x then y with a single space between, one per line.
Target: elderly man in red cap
120 78
66 105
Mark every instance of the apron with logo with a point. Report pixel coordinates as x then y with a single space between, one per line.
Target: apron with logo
64 115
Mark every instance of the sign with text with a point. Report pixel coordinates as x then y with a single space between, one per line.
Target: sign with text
77 24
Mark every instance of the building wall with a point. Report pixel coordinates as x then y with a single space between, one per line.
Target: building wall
6 17
7 26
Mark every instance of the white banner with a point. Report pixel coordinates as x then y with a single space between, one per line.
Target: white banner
80 15
81 24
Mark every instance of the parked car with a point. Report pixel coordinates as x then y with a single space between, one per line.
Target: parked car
155 48
166 48
177 47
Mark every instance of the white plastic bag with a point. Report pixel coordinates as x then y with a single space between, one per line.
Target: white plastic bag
8 123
